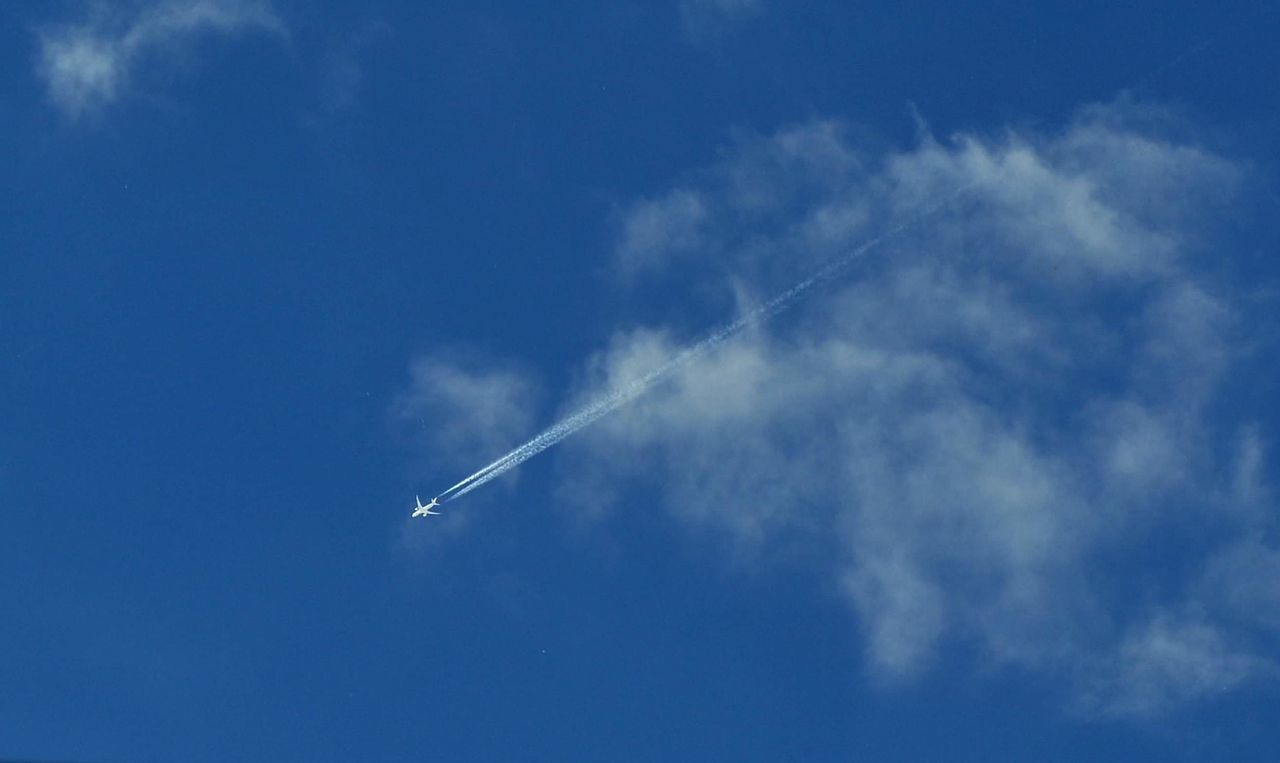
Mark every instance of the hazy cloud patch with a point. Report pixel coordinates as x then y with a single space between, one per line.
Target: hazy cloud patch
703 20
88 65
344 72
467 412
994 412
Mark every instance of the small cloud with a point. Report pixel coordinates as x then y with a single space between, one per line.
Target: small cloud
344 75
468 412
461 413
1241 583
904 613
654 230
708 19
1168 663
88 65
760 187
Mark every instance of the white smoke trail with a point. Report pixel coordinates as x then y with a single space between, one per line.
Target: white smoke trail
630 392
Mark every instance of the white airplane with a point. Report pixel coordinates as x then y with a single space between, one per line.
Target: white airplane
423 511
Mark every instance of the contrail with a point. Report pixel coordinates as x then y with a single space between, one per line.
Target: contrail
781 302
638 387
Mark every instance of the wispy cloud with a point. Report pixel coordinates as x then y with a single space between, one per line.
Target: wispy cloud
707 19
344 71
467 412
459 411
1003 428
656 228
89 65
995 416
1162 664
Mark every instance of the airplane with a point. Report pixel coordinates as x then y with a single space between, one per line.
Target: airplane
423 511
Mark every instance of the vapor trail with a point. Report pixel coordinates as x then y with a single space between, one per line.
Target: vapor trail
638 387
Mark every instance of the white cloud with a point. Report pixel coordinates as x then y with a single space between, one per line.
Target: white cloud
1164 664
459 413
908 611
999 414
744 204
467 413
1240 582
656 229
88 65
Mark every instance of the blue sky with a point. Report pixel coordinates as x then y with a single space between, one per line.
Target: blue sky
1004 488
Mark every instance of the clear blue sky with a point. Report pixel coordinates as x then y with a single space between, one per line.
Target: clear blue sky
1004 489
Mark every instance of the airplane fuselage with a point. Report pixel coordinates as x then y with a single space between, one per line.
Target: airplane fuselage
422 511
